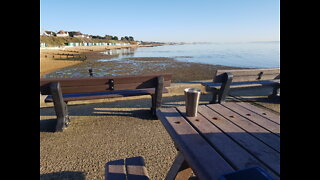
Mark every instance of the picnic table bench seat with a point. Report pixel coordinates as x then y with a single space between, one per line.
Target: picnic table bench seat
62 90
126 169
223 80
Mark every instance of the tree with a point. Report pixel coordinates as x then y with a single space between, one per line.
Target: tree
108 37
131 38
114 38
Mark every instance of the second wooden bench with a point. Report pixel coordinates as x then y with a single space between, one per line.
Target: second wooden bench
223 80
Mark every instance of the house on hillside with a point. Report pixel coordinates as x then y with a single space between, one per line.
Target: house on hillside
62 33
47 33
78 35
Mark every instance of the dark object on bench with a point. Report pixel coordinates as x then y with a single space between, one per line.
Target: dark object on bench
225 79
62 90
126 169
254 173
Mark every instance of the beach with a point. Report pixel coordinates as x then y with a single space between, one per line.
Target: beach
47 55
103 65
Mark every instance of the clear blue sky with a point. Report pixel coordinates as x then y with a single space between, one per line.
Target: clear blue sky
166 20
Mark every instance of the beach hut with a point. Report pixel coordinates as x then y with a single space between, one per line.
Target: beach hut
69 44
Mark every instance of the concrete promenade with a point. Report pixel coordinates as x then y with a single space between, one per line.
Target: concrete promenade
105 130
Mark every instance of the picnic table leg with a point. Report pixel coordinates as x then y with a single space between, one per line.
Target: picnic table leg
156 98
214 99
225 86
275 91
179 170
60 106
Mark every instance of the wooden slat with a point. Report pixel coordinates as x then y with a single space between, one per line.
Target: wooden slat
258 149
87 96
255 130
249 75
127 169
202 158
100 84
115 170
235 154
263 112
135 168
243 84
252 116
102 88
249 72
103 80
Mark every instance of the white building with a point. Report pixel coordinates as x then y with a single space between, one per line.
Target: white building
47 33
62 33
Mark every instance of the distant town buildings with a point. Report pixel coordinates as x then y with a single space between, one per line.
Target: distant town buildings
63 33
78 34
47 33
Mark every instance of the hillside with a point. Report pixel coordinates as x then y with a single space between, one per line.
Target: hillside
60 41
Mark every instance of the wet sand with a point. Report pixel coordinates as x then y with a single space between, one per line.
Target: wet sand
182 71
47 55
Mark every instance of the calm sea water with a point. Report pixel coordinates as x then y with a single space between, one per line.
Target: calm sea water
246 55
249 55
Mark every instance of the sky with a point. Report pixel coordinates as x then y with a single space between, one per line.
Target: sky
166 20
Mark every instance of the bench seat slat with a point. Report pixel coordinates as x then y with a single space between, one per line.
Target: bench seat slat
106 87
127 169
244 84
106 94
93 81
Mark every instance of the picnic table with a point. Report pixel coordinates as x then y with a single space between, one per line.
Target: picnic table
222 139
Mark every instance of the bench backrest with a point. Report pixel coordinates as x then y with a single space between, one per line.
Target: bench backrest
242 75
101 84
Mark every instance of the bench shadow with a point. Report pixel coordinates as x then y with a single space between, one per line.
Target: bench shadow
141 114
70 175
48 125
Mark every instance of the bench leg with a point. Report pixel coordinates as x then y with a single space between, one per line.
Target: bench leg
156 98
60 107
179 170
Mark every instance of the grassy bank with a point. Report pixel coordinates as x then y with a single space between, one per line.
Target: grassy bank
60 41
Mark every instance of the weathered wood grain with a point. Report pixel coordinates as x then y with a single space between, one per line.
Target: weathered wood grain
205 161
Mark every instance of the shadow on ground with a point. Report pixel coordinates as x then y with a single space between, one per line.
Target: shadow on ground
70 175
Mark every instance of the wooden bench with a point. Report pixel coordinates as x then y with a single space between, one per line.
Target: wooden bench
126 169
223 80
62 90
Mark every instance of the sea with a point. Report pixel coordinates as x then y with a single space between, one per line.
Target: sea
245 55
240 54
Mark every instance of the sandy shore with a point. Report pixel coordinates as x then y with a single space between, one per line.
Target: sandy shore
48 64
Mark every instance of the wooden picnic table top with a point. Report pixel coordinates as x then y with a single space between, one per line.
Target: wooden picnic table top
226 137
